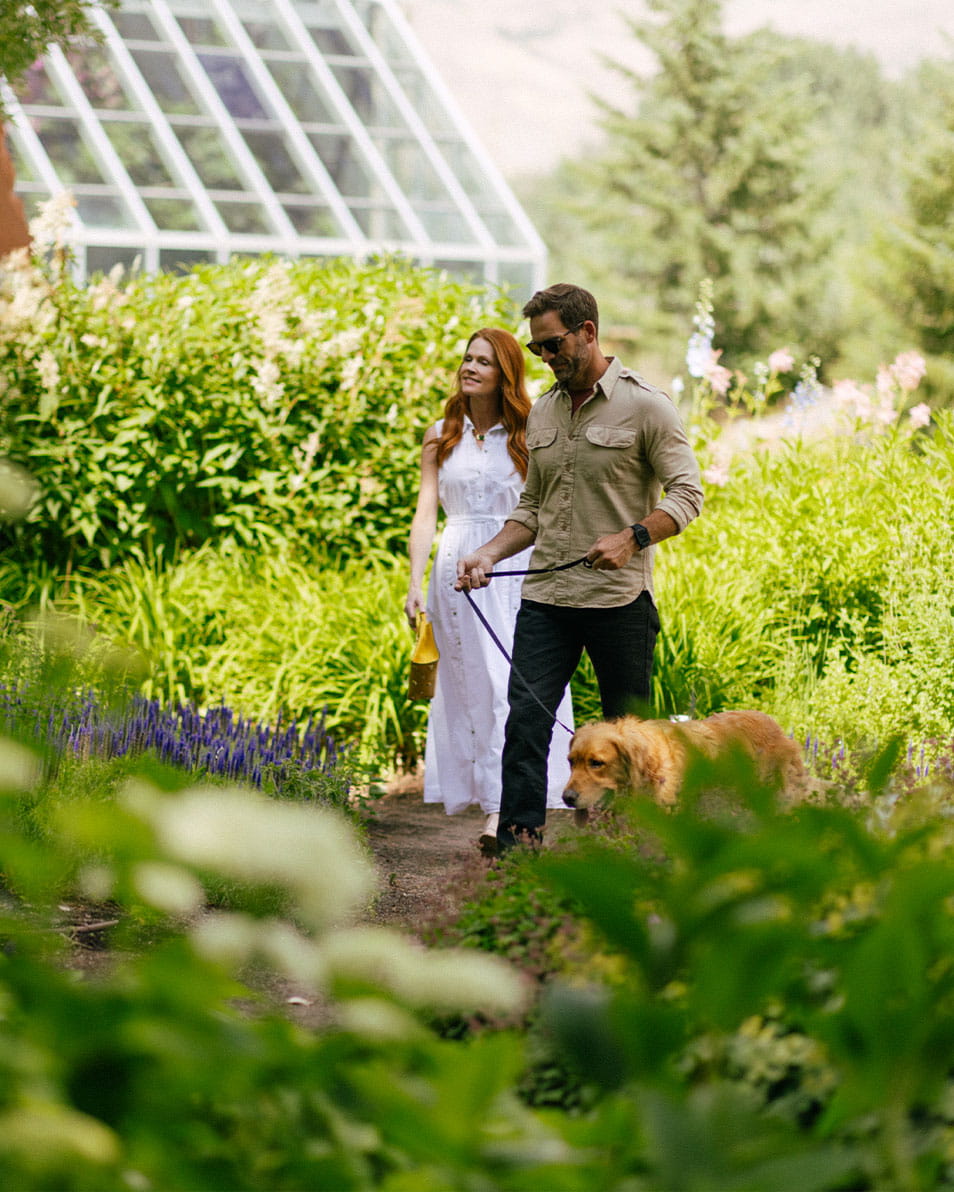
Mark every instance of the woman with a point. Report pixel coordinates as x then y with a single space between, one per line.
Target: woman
473 464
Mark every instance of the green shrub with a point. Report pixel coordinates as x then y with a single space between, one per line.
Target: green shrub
255 402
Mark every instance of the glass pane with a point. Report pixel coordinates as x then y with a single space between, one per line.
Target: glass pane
181 260
276 164
448 225
104 211
103 258
467 170
202 31
235 87
502 227
266 36
174 215
367 96
518 278
312 220
344 162
245 217
38 87
166 82
466 270
206 150
135 25
300 92
414 173
381 28
95 74
68 153
21 163
419 91
137 149
331 39
31 195
380 223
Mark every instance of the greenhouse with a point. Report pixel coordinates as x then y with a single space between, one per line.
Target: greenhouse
202 129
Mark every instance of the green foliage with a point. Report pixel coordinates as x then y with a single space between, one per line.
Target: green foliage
26 29
257 402
919 246
270 633
838 624
830 604
797 963
156 1072
707 176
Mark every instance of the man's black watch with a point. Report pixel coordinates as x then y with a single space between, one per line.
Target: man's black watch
641 535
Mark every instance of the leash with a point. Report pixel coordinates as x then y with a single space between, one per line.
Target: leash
499 644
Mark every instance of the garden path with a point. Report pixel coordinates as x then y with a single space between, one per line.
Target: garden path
420 854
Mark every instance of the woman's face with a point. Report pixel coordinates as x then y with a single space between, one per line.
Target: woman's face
479 372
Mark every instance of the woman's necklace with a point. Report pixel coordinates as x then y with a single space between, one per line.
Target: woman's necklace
479 438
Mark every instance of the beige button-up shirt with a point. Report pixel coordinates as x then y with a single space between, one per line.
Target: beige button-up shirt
596 472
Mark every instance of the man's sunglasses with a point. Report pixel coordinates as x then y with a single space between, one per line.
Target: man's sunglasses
551 345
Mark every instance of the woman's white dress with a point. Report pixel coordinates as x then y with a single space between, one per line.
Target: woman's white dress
478 488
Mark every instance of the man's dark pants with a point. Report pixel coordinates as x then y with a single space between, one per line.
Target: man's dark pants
549 641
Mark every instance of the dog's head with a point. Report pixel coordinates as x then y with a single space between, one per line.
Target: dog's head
598 767
625 756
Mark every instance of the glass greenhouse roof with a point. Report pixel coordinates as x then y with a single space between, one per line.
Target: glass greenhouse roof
204 128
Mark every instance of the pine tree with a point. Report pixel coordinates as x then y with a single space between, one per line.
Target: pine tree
710 177
920 250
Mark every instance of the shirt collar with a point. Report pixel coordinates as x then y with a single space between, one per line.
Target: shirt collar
469 425
606 382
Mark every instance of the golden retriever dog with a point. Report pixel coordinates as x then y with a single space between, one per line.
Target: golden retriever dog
636 756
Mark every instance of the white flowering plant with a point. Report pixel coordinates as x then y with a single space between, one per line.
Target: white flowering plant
257 402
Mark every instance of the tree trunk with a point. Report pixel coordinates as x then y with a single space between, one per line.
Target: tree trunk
13 225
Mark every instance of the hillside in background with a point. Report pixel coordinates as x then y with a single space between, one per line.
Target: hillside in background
523 73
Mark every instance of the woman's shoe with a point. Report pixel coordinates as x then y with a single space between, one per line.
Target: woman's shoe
487 840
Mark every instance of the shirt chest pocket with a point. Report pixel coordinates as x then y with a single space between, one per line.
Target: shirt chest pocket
608 454
543 444
541 436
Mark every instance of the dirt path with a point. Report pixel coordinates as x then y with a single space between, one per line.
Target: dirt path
423 856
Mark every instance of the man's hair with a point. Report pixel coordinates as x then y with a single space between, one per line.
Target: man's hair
573 304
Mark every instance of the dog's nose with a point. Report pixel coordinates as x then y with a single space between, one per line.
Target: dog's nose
570 797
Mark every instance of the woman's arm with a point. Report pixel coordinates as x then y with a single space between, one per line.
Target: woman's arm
423 526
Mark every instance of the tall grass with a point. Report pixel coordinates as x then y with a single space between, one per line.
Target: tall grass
268 634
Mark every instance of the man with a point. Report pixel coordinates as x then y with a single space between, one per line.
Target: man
604 444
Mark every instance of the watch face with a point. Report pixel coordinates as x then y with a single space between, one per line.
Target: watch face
642 536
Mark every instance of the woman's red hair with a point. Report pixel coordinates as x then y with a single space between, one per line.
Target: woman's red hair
514 400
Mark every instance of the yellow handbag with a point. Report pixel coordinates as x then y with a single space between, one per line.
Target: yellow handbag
423 661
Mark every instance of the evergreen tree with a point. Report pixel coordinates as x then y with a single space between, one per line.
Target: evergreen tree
920 247
710 177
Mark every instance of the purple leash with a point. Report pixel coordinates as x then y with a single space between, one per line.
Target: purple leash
499 644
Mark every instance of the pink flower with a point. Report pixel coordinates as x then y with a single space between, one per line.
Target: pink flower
920 415
885 383
781 361
908 369
850 397
716 475
718 377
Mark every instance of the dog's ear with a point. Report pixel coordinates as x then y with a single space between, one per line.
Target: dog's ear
629 740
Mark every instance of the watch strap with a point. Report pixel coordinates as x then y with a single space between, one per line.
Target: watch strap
641 534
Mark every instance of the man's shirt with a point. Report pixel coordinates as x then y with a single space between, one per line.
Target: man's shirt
596 472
